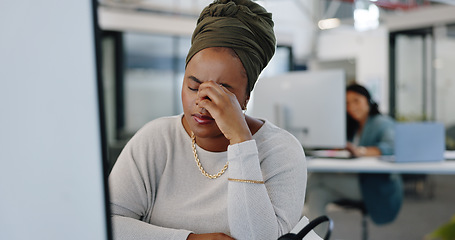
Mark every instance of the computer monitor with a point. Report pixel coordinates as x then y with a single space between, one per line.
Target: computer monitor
52 179
309 104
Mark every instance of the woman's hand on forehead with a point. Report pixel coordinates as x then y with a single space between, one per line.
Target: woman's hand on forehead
225 108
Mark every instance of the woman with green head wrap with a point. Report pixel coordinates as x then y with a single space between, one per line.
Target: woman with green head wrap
213 172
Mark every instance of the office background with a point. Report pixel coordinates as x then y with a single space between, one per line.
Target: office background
404 61
402 52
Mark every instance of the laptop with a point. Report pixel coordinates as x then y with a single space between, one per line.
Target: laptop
419 142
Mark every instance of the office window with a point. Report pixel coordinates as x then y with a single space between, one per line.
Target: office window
154 67
443 63
422 77
411 65
280 63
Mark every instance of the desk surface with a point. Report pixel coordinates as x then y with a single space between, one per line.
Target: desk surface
375 165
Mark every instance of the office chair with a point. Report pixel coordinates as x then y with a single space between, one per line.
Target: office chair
359 205
308 228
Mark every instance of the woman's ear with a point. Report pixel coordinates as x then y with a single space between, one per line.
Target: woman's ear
246 103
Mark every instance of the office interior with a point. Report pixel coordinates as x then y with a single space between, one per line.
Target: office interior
401 50
402 56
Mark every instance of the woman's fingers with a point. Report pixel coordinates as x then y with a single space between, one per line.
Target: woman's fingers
214 92
209 236
225 108
218 100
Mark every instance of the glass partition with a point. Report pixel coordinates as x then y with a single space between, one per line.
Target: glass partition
445 80
422 76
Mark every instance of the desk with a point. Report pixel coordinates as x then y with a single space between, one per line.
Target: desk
375 165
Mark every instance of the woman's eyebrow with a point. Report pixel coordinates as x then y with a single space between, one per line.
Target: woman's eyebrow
226 85
195 79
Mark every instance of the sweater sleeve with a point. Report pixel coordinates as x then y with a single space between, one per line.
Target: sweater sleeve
265 211
132 193
127 228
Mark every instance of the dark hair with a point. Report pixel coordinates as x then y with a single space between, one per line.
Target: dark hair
352 124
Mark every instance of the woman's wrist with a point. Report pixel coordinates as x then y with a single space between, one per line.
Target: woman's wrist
243 136
240 139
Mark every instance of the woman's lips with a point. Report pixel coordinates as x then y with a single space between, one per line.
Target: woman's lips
203 119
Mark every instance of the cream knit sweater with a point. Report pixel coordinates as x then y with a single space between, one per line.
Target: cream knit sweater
157 191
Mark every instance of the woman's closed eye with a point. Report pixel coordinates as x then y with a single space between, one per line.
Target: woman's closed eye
193 89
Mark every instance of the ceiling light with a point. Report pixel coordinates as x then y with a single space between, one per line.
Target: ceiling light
366 16
328 23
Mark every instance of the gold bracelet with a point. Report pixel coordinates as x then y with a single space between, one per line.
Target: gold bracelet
245 181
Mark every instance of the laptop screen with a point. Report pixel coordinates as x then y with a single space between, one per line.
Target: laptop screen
419 142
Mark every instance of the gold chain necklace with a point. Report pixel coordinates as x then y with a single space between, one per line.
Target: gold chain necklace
196 158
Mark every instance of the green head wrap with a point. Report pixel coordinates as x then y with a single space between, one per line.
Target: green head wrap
241 25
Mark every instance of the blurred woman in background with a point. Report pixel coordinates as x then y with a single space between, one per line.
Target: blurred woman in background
369 133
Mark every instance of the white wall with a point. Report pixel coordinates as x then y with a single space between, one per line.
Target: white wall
51 177
370 52
295 25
